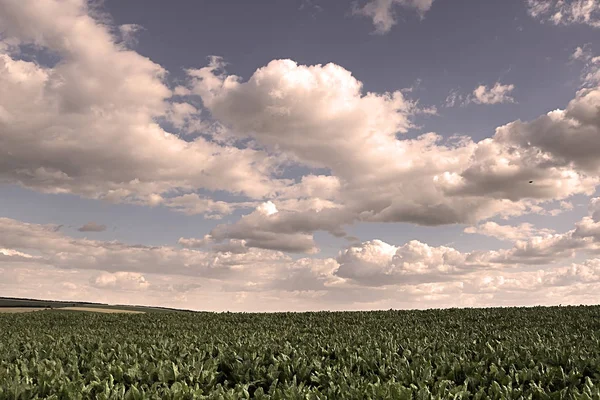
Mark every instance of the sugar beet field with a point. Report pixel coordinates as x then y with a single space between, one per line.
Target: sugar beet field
501 353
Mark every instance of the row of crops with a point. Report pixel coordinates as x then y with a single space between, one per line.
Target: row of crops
511 353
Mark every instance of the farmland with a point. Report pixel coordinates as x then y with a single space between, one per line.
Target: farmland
18 309
529 353
11 305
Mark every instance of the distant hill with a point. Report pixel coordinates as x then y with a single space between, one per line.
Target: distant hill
36 303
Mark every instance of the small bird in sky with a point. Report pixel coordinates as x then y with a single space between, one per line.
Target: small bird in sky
530 181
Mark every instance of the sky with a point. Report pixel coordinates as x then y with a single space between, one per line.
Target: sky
300 155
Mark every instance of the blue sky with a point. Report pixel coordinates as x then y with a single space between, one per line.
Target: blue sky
236 145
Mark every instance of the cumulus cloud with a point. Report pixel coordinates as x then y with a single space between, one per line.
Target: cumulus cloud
78 127
185 117
555 152
318 116
229 266
231 246
586 272
548 247
310 104
376 263
507 232
383 12
560 283
564 137
92 227
561 12
308 274
121 281
365 275
589 226
61 251
269 228
541 250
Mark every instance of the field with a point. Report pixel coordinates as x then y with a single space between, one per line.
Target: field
100 310
88 309
19 309
9 304
500 353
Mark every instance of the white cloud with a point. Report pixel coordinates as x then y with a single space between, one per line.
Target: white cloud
309 103
565 12
120 281
496 94
232 246
62 251
235 246
192 203
507 232
185 117
376 263
588 227
195 243
482 94
308 275
79 127
587 272
266 229
374 175
564 138
372 274
12 255
312 115
565 206
541 250
383 12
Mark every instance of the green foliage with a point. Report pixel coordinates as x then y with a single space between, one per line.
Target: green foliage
511 353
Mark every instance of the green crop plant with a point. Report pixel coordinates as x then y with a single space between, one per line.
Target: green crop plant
496 353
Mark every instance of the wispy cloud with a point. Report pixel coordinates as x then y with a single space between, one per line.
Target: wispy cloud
496 94
383 12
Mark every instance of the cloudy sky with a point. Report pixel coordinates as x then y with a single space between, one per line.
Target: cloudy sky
300 154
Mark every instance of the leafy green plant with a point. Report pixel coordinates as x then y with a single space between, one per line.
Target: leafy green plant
496 353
